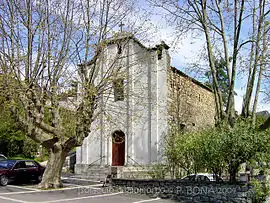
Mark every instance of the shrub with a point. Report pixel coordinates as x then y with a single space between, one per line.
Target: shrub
261 190
218 149
159 171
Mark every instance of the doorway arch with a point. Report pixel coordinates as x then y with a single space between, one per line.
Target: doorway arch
118 148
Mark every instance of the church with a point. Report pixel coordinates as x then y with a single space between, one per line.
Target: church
147 100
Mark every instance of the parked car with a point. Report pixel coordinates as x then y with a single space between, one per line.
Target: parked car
20 170
2 157
202 177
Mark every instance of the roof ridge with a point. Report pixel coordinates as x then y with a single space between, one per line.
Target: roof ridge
191 78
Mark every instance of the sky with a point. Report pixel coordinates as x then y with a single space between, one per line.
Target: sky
187 50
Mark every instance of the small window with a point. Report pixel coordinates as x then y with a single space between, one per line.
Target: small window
201 178
30 164
20 165
119 49
159 54
189 178
118 87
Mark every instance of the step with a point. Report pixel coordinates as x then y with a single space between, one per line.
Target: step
86 180
83 182
96 177
95 173
97 170
88 177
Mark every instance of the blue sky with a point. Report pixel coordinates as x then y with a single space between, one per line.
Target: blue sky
188 49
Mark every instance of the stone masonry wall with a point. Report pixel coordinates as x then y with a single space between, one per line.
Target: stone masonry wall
192 104
185 192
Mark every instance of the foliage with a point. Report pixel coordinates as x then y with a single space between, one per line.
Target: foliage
241 144
42 158
29 147
68 121
261 190
10 139
40 72
222 78
158 171
67 117
14 142
219 149
223 24
184 152
211 153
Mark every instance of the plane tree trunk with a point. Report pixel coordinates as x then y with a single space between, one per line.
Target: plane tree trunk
53 136
252 77
39 75
261 70
52 175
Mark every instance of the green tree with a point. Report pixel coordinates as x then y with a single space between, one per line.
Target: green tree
42 43
222 78
185 152
211 154
14 142
222 23
30 147
220 149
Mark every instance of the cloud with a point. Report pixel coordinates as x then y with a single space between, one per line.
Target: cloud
187 50
182 50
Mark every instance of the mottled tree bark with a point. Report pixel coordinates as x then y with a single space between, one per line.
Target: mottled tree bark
250 85
52 175
262 66
246 103
39 71
218 95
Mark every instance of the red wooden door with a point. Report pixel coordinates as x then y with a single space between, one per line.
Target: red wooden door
118 148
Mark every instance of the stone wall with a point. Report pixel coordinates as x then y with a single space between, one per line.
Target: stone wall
192 104
135 172
208 192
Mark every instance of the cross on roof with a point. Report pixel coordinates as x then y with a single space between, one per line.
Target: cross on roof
121 25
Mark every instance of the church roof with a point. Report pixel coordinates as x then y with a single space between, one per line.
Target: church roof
121 36
192 79
127 35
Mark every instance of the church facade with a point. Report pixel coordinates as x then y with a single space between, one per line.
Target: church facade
137 116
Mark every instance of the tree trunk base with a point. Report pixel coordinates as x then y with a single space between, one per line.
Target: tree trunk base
47 185
52 175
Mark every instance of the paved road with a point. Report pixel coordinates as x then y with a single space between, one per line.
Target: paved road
93 193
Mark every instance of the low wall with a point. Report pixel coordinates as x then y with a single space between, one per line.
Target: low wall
130 172
208 192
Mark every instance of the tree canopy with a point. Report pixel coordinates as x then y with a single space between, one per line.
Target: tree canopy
219 150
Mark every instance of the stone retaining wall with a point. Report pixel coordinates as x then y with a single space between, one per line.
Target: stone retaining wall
203 192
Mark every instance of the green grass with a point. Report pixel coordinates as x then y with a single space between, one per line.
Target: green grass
37 159
41 159
21 157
